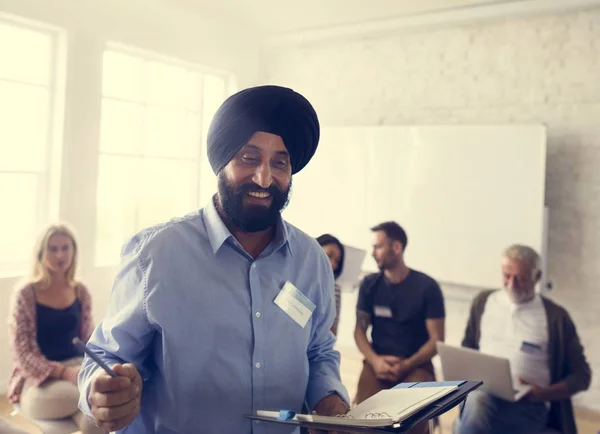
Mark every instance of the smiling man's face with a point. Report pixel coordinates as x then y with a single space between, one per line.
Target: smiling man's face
254 186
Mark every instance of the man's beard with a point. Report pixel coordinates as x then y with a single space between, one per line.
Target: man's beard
519 297
387 263
247 217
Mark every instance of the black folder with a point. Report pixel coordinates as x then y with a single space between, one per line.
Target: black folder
435 409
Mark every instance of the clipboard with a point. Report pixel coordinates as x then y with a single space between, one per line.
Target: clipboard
433 410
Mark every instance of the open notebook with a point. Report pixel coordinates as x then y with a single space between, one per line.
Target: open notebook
386 408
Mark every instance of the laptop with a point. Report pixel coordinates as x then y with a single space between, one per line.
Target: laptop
460 363
353 261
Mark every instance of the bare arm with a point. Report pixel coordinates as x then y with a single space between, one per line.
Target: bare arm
435 329
363 321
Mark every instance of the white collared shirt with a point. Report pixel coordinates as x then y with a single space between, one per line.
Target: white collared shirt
518 332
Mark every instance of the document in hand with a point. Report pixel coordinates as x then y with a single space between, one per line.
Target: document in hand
386 408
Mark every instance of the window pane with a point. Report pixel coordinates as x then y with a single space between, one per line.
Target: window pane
166 190
121 130
165 133
193 136
25 54
134 193
19 194
208 181
166 84
163 136
123 76
214 94
23 126
194 93
116 206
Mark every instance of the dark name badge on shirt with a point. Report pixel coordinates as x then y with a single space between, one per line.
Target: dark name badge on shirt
530 348
383 312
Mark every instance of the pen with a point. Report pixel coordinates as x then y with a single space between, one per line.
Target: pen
274 414
285 415
81 346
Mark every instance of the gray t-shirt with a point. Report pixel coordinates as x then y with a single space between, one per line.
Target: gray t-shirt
399 311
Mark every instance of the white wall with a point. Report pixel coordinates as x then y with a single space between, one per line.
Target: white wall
147 24
538 69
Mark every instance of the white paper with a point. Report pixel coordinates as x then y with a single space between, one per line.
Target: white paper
295 304
398 404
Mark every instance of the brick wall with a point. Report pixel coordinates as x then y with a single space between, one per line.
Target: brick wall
543 69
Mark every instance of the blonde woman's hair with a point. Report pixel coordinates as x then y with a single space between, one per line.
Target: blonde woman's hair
41 274
523 254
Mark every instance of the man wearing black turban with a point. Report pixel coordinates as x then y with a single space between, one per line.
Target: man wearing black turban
259 117
271 109
226 311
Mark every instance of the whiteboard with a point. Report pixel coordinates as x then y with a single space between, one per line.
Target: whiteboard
462 193
332 188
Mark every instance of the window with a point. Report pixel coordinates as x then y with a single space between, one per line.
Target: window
29 119
155 116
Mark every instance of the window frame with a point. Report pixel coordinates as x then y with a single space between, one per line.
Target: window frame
196 158
48 179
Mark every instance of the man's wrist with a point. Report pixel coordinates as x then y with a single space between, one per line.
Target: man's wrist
410 363
335 394
331 405
546 394
371 358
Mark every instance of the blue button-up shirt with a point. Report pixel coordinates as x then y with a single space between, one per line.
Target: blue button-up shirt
195 313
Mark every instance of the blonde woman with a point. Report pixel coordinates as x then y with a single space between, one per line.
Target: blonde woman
47 312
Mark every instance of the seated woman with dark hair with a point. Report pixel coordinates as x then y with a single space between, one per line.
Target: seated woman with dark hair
334 250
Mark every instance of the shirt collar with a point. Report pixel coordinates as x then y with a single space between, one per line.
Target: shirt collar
218 232
215 228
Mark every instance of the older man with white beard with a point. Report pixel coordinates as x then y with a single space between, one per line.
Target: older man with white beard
540 340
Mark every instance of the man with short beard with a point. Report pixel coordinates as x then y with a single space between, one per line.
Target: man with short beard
405 310
226 311
541 342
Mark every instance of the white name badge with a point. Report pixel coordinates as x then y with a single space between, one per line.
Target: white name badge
295 304
383 311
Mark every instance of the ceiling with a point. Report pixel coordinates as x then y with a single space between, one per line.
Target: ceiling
272 17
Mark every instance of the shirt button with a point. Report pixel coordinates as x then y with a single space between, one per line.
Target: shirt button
254 265
258 314
258 365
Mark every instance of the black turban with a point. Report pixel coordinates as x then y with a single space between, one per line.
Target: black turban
272 109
